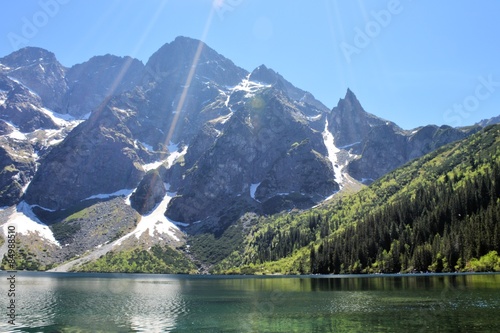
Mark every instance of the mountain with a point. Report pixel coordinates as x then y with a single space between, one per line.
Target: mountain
491 121
38 69
381 146
438 213
92 82
112 156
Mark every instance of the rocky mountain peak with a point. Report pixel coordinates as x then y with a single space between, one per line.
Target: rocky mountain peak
266 75
38 70
28 56
349 122
175 60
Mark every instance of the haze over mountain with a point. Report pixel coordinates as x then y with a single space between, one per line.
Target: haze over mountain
116 154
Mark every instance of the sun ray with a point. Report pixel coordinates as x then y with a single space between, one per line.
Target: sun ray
189 77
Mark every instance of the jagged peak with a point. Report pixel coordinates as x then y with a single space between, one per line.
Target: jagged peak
27 56
265 75
179 56
108 59
349 103
181 45
349 94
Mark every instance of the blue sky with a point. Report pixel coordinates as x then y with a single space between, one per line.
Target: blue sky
411 62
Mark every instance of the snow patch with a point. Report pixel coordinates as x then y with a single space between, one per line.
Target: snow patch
26 222
152 166
49 137
62 120
350 145
15 134
120 193
224 120
332 155
156 221
43 208
246 85
253 189
182 224
22 84
175 154
314 118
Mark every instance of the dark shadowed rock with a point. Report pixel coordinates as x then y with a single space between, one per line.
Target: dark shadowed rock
151 190
97 157
92 82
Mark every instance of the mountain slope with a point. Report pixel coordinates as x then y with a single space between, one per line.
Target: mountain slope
439 213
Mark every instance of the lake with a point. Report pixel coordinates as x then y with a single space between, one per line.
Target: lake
66 302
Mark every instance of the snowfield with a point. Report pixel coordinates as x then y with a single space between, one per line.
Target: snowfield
155 222
332 155
26 222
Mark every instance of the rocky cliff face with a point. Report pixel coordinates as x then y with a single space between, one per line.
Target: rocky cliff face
98 157
265 149
39 70
381 145
92 82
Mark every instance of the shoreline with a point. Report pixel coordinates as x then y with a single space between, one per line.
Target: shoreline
236 276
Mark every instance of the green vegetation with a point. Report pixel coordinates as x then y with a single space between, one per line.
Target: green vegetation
439 213
159 259
24 259
65 230
212 248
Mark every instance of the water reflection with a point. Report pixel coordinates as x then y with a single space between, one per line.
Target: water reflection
103 304
155 303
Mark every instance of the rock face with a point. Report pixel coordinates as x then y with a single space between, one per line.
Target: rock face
381 145
97 157
22 108
268 76
350 123
149 192
39 70
16 169
99 78
267 141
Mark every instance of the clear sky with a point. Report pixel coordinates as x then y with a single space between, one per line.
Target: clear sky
411 62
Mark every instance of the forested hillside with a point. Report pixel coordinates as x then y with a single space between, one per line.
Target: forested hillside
438 213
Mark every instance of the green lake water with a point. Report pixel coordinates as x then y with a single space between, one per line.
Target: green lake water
65 302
